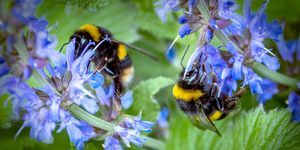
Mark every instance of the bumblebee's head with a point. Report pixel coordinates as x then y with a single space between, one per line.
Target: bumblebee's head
192 76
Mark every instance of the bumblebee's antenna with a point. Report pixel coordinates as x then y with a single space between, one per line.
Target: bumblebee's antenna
184 56
146 53
63 46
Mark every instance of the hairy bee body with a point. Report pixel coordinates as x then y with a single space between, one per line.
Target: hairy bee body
198 99
110 58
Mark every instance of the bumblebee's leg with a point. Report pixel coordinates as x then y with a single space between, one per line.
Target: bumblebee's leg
116 103
231 102
112 74
204 73
214 88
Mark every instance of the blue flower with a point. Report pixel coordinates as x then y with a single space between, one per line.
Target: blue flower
289 51
24 10
137 123
162 118
41 124
78 131
269 89
4 69
171 55
127 99
112 143
129 130
227 8
104 94
165 6
193 21
184 30
182 19
129 136
96 80
294 106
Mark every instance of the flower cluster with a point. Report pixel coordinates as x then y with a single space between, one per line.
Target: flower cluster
128 130
243 45
28 51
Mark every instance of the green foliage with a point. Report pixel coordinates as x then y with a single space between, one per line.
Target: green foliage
92 5
23 141
143 97
117 16
255 129
5 112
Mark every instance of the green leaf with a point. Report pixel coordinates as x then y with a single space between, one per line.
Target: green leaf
92 5
5 112
255 129
116 16
143 97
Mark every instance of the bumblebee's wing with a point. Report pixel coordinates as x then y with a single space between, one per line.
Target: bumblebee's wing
146 53
201 121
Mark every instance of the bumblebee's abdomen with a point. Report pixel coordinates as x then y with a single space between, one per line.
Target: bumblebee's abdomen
216 115
186 95
127 76
121 52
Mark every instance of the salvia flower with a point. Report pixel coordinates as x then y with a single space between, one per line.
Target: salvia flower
45 107
165 6
194 20
31 40
270 88
128 131
162 118
294 106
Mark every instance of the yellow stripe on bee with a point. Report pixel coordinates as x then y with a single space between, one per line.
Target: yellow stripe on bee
121 52
92 30
216 115
186 95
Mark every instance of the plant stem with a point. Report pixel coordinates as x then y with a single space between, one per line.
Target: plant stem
102 124
263 71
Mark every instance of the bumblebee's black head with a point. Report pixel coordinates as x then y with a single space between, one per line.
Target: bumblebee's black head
191 78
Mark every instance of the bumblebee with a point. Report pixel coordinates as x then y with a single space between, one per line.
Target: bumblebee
110 57
198 99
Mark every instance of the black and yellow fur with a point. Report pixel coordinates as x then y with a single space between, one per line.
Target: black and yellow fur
196 98
110 57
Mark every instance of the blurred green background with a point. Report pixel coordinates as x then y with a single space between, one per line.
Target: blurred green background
135 22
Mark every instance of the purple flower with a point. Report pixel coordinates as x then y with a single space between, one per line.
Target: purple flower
96 80
24 10
182 19
269 89
184 30
294 106
4 69
171 55
193 20
78 131
137 123
127 99
129 136
165 6
128 130
112 143
162 118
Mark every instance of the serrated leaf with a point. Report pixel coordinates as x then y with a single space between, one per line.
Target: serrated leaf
143 95
255 129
